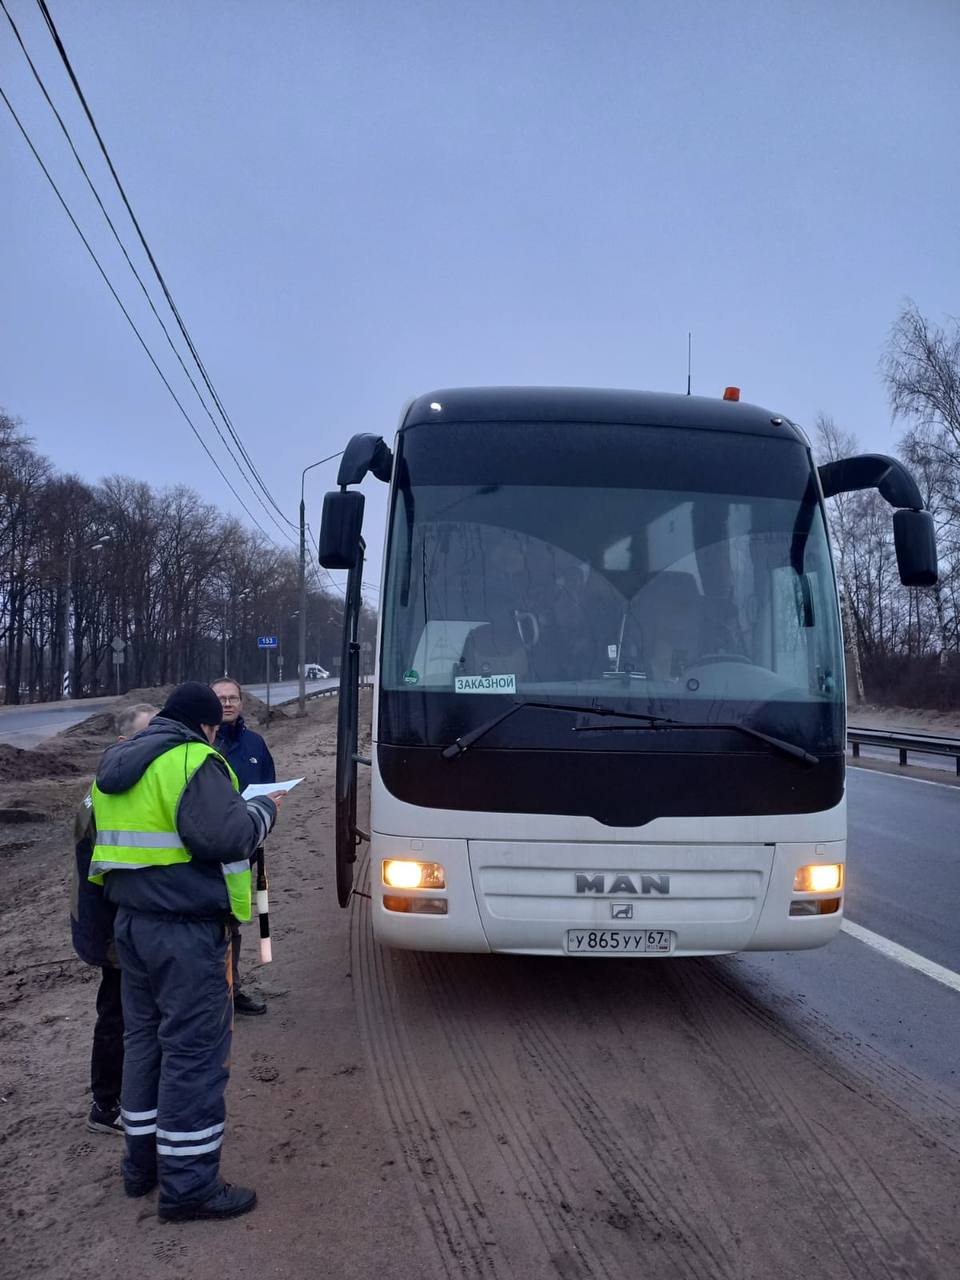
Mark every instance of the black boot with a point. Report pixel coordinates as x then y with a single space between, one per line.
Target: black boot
138 1187
227 1201
243 1002
138 1179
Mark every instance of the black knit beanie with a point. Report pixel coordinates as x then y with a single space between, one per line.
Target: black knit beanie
193 704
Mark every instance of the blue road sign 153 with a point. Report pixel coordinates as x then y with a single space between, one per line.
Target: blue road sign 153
266 642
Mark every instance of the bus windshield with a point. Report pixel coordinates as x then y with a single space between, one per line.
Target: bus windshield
678 571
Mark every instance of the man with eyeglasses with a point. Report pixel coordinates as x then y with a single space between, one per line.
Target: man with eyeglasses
249 758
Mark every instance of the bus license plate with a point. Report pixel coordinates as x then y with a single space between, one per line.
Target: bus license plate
620 941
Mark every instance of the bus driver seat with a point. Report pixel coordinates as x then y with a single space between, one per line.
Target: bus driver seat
499 645
496 648
669 612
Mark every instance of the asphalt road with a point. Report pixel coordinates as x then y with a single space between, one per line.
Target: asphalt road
29 725
26 726
904 862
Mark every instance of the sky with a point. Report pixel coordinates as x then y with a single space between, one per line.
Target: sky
355 203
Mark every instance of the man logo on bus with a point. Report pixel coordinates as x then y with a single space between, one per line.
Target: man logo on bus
622 884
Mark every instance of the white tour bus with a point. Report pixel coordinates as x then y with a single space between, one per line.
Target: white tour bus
609 711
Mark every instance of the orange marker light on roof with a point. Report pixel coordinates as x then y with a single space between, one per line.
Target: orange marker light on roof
731 393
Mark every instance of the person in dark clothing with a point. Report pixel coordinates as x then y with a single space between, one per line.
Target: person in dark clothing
91 924
249 758
173 848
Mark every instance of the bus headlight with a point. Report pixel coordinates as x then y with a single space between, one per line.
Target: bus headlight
405 873
819 877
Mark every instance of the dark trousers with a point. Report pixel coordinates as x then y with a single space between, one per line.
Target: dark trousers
178 1015
106 1061
235 939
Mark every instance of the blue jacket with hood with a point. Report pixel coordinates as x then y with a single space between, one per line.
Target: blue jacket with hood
246 753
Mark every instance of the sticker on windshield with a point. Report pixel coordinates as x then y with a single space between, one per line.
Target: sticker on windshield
411 677
485 684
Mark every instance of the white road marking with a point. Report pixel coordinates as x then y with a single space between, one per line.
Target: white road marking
902 955
905 777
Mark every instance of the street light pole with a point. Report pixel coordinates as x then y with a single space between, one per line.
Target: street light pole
302 629
66 689
227 635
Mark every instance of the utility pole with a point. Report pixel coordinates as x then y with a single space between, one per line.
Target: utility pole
302 628
302 617
65 690
223 624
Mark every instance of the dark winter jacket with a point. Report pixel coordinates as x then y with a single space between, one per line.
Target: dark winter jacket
91 915
246 753
215 824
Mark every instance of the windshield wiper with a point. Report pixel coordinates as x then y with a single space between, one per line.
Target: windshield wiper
464 743
778 744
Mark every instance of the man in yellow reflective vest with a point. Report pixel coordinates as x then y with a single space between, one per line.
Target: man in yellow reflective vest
174 842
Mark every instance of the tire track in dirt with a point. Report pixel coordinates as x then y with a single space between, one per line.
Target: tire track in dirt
857 1066
879 1233
552 1195
633 1205
789 1113
669 1219
535 1186
444 1189
874 1236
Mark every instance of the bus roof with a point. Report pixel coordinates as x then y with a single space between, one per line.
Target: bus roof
588 404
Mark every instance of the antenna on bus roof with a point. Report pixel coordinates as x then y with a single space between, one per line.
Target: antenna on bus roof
689 349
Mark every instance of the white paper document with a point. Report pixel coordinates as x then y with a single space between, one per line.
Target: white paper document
267 788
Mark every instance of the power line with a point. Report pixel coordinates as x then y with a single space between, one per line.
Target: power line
130 264
55 35
126 313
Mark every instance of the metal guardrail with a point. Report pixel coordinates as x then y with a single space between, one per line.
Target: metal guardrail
332 692
365 683
904 743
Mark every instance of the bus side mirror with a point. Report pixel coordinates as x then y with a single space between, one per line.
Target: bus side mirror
365 453
871 471
916 542
340 528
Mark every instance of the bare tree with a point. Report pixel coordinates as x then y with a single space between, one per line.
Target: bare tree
921 368
180 583
832 444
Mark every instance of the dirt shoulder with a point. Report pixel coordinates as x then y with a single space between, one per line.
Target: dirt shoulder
302 1127
944 724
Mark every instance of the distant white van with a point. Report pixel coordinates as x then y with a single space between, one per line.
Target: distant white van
314 671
